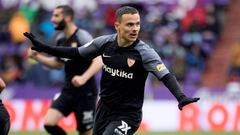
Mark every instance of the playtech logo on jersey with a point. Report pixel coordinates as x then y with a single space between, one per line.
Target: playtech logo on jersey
117 72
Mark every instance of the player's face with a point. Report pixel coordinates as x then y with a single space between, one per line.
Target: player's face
58 19
129 27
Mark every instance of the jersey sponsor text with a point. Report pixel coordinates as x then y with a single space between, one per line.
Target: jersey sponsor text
117 72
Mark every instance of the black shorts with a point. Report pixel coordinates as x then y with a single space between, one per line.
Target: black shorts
82 105
4 120
115 122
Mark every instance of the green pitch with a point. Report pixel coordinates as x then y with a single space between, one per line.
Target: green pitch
146 133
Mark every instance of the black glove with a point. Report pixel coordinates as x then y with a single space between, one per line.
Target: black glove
185 101
37 45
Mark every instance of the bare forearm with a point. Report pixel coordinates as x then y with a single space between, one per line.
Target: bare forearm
94 68
50 62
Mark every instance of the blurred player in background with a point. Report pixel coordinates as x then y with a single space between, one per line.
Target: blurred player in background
4 116
79 93
127 62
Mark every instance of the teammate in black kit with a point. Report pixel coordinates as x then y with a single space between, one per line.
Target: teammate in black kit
79 93
127 61
4 116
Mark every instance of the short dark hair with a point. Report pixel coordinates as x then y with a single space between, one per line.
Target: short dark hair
66 10
124 10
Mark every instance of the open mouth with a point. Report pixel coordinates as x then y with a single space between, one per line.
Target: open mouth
133 35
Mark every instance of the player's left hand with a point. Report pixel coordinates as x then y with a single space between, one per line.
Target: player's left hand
186 101
78 80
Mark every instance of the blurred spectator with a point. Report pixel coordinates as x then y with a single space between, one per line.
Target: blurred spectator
11 68
235 63
18 25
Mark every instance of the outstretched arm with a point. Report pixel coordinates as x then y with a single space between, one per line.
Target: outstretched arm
64 52
79 80
171 83
153 63
48 61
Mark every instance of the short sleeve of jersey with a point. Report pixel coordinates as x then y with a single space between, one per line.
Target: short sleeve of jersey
58 40
95 47
151 60
83 37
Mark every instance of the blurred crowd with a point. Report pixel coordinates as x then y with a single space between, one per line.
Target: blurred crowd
183 32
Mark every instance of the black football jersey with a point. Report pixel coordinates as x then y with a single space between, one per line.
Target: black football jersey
125 70
75 66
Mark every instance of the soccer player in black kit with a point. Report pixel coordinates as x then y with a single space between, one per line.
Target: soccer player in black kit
4 116
79 93
127 61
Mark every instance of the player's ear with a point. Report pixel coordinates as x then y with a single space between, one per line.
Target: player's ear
68 18
116 24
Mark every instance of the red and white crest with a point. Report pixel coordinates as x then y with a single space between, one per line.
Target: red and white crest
130 62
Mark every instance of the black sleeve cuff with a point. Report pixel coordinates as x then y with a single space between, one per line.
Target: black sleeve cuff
171 83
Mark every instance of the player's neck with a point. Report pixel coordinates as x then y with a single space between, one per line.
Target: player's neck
70 29
123 43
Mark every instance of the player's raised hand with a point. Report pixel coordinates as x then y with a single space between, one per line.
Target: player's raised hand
37 45
185 101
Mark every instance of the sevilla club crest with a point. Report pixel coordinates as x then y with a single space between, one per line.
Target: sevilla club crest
130 62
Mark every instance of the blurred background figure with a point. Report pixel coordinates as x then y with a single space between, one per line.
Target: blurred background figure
79 93
4 117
